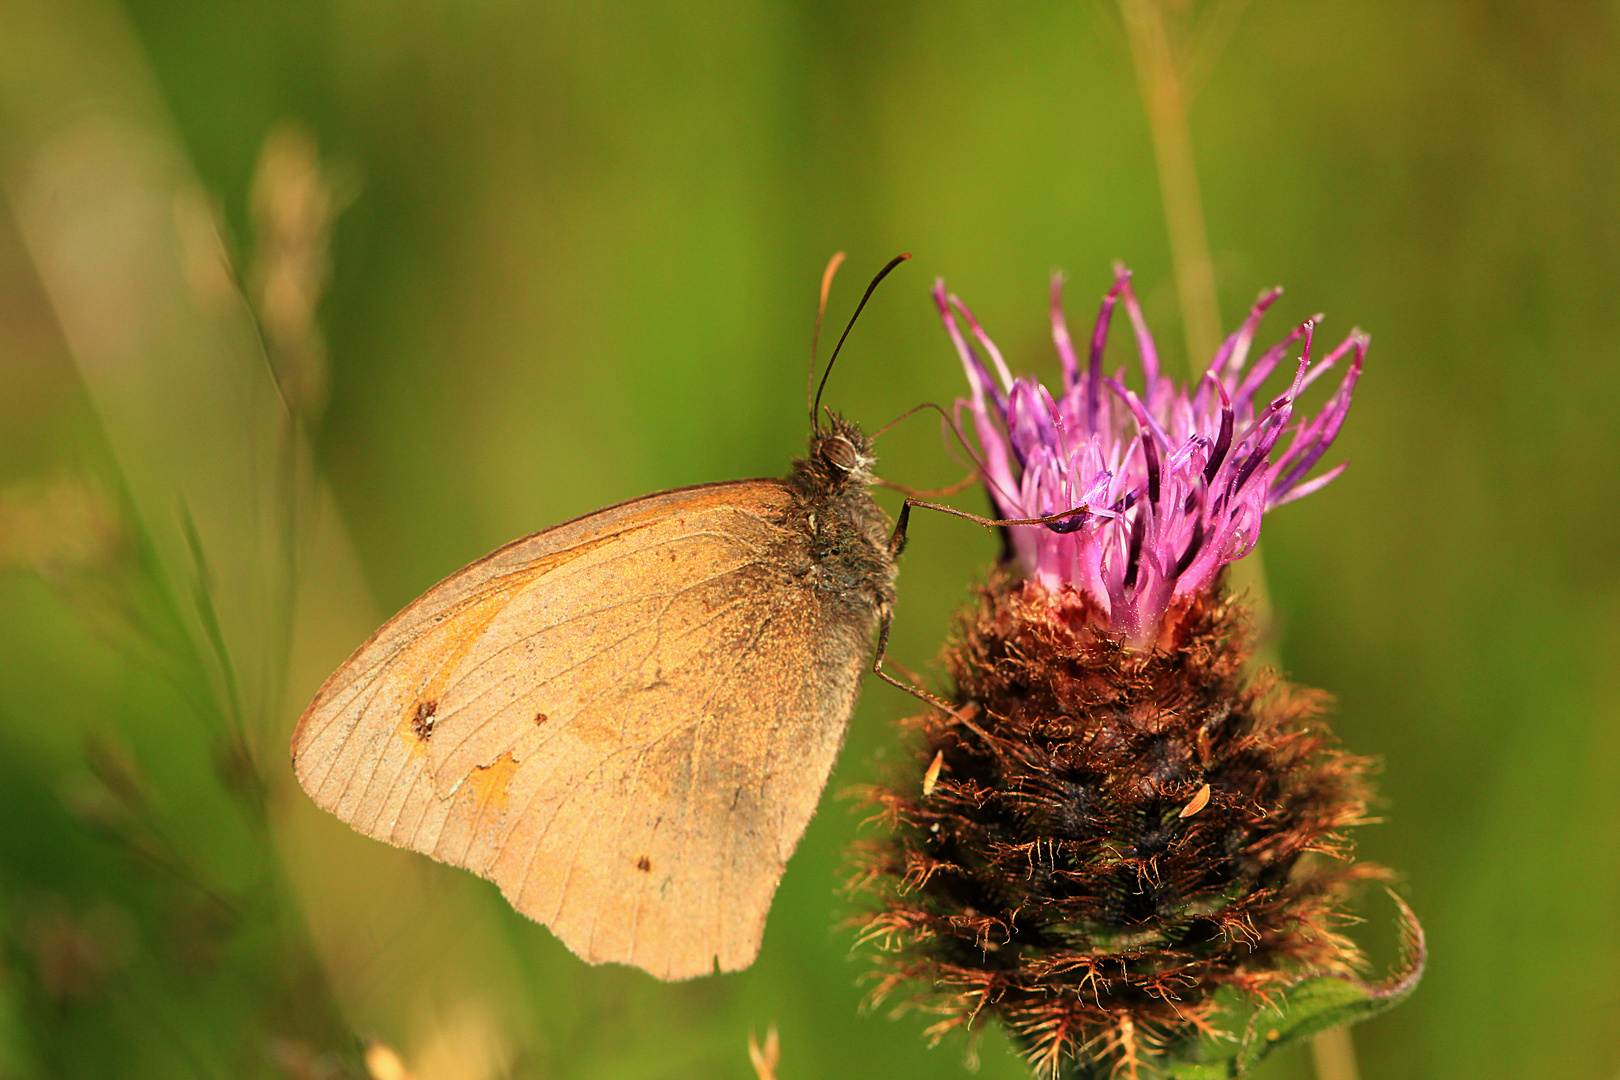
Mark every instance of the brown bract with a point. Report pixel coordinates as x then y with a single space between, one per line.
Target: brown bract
625 721
1112 834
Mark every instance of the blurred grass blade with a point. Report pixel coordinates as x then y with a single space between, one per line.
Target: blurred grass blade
120 235
123 239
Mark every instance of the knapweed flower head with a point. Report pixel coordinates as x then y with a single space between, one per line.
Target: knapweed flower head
1118 841
1174 482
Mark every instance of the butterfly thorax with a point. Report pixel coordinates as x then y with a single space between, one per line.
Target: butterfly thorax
848 532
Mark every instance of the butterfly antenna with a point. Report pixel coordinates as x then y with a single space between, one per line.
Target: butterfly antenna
815 336
881 274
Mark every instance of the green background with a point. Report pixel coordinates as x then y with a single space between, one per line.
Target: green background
579 263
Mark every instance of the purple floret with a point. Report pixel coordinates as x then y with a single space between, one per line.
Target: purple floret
1174 485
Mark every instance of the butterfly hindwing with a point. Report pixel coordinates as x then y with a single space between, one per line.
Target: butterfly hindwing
625 722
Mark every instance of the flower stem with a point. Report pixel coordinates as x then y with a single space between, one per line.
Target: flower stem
1334 1055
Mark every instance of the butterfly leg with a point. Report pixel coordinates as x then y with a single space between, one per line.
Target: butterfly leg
882 654
897 539
1074 516
897 544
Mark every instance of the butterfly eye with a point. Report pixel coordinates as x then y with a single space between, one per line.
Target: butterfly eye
840 454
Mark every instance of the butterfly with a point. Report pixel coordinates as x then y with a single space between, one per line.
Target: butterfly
626 721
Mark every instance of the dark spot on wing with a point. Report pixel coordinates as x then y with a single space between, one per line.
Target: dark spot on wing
540 718
422 720
644 864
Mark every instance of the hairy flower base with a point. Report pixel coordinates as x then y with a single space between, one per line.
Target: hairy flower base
1111 834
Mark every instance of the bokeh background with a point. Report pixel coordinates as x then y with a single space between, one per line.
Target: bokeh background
572 256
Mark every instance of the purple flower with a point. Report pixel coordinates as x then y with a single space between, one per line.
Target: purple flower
1174 484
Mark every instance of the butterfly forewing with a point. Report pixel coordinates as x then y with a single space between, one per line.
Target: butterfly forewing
625 722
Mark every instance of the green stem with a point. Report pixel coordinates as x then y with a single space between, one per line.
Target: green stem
1334 1055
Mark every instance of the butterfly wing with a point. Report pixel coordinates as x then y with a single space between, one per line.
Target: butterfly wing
625 722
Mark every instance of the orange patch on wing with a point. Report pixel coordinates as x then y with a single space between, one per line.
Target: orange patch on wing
488 782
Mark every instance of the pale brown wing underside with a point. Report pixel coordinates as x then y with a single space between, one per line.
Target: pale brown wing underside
625 722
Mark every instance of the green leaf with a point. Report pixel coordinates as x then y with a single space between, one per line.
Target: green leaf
1311 1005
